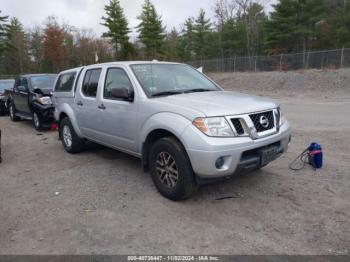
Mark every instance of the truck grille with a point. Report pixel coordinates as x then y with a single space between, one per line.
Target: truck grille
263 121
238 126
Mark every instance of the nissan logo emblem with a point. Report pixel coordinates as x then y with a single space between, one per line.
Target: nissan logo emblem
264 122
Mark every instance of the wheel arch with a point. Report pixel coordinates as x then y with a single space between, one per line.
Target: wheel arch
68 112
152 137
158 126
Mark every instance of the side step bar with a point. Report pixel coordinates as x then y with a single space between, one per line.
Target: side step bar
24 117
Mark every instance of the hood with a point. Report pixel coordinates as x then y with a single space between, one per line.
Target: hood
45 91
221 103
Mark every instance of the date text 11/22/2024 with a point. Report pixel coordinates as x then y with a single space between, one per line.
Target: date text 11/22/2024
173 258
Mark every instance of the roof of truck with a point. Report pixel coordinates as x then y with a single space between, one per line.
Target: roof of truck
137 62
31 75
119 63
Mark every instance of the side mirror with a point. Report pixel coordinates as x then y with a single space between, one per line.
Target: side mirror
122 93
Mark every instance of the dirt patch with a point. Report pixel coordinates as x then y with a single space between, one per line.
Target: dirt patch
310 84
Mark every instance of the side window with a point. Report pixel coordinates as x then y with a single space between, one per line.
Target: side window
116 78
90 82
65 82
24 82
17 83
86 82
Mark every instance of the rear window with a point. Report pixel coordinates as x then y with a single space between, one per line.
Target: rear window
65 82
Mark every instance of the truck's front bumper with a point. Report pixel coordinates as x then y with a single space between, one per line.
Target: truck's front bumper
237 153
45 113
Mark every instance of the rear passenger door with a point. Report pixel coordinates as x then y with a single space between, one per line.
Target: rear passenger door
86 103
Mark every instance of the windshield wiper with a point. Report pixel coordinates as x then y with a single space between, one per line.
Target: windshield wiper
196 90
166 93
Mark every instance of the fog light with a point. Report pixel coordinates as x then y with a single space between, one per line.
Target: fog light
220 162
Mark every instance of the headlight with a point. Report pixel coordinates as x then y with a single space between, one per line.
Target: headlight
44 100
282 118
214 126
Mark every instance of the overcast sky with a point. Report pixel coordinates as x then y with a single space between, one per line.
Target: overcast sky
88 13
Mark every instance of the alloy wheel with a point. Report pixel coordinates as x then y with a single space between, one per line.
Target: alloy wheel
67 136
36 120
167 170
11 111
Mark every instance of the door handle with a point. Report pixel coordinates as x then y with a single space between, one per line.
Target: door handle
80 103
102 107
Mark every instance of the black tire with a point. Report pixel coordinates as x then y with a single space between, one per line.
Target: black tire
185 184
12 112
37 122
77 144
2 110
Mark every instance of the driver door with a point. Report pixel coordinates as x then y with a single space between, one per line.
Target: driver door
118 117
21 94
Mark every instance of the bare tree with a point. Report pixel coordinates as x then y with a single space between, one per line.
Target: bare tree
251 12
224 10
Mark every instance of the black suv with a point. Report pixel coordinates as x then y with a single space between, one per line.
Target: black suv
30 99
5 86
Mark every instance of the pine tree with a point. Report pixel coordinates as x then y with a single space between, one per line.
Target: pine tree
189 39
151 31
292 25
118 30
17 55
172 45
3 32
335 30
201 31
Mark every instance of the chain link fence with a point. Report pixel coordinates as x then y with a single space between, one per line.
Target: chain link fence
7 77
330 59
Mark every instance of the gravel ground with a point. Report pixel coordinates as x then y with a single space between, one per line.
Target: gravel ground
100 201
329 85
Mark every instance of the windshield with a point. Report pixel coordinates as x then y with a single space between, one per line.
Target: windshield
6 84
169 79
43 82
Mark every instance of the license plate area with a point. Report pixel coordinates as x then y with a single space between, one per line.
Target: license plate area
268 154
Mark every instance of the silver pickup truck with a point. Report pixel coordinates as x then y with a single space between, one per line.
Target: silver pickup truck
184 127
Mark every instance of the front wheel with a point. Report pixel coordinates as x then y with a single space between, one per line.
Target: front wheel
37 122
71 142
12 112
171 169
2 110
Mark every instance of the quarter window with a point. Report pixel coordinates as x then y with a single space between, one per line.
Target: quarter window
116 79
90 83
65 82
